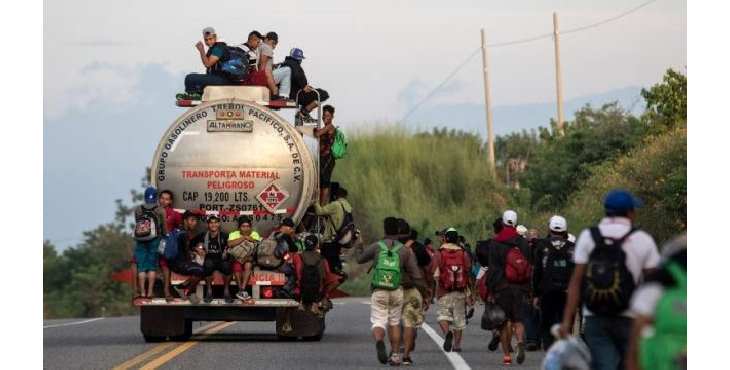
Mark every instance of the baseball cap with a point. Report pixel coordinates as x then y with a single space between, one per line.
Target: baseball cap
287 222
272 36
509 217
621 200
558 224
213 217
296 53
150 195
190 214
207 30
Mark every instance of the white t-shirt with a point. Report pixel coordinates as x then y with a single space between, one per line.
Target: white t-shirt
645 299
640 248
266 50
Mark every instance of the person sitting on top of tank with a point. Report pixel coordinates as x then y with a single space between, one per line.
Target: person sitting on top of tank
263 75
242 272
196 82
291 68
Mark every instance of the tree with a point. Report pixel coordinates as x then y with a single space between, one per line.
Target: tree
666 102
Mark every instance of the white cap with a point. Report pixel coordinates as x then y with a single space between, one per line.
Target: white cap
558 224
522 230
509 218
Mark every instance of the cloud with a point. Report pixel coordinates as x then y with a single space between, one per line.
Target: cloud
94 84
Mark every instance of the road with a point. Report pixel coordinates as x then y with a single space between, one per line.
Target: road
116 342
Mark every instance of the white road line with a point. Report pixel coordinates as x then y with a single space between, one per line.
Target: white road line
73 323
456 360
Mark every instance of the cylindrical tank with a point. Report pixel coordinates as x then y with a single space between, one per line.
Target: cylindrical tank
234 157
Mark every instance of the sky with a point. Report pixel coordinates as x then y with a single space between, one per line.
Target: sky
111 70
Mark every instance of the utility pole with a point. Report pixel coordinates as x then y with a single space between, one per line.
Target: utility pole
488 109
558 75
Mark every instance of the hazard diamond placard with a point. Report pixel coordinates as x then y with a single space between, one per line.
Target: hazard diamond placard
272 197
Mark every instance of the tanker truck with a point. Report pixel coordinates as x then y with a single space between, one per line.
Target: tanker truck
232 154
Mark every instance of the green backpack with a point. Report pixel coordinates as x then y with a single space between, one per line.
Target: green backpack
387 267
666 347
339 146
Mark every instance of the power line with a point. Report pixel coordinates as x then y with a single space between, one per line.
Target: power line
518 42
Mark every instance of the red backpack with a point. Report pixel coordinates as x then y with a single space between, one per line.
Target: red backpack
452 270
517 268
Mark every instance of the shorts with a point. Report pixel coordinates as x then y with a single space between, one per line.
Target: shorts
256 78
216 263
326 166
188 269
237 266
510 299
386 307
412 308
452 308
145 255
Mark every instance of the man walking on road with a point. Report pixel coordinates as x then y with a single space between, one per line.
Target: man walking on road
453 290
415 301
610 260
392 262
509 280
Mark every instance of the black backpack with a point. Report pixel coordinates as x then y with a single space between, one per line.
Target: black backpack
608 283
557 264
310 288
345 235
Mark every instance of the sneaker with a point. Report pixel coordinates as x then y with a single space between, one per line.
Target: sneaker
407 361
507 360
188 96
520 353
470 313
380 348
243 295
394 359
448 341
494 343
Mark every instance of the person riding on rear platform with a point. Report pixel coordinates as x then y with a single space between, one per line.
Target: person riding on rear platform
195 83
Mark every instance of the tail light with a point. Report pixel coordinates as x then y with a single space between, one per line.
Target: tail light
267 292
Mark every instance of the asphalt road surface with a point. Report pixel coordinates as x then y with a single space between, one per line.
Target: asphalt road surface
105 343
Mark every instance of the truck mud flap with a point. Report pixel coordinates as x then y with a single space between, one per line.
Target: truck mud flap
303 324
158 323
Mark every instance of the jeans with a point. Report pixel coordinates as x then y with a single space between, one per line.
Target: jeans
608 340
196 82
282 77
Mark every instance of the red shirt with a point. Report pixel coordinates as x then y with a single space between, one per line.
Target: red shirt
173 219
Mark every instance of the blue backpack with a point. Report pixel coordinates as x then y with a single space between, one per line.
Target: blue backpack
234 64
171 244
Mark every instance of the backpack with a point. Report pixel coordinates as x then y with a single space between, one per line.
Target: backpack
235 63
346 233
339 146
270 252
608 283
387 267
557 265
517 268
666 348
170 241
147 225
310 285
452 270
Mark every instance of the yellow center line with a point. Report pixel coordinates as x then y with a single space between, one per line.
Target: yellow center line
183 347
154 351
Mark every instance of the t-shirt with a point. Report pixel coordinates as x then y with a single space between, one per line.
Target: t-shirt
640 248
237 234
218 50
647 296
214 246
173 219
265 50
